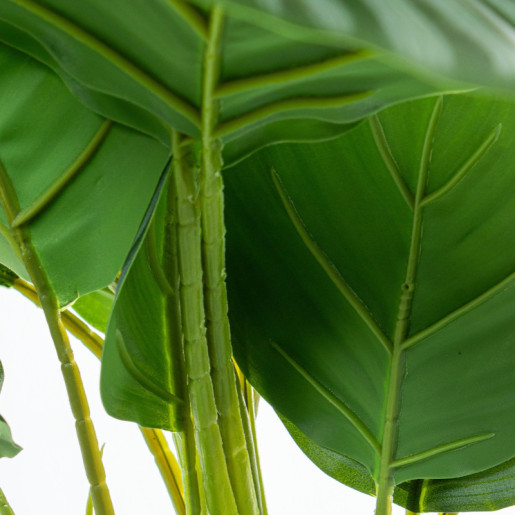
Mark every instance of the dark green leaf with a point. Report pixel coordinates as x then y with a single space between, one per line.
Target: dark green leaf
317 265
145 69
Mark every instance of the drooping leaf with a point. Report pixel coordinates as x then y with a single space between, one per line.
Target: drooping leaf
146 67
471 41
393 236
137 380
8 449
83 183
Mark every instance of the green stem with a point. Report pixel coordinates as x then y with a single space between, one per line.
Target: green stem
76 394
5 509
185 440
217 486
213 253
154 438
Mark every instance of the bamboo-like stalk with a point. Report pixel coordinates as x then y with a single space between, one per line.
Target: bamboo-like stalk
156 442
5 509
185 439
217 486
215 300
78 402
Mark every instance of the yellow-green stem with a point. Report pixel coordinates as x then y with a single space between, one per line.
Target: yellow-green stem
154 438
78 402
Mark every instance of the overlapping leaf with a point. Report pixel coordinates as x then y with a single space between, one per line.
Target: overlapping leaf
82 182
317 260
473 41
145 68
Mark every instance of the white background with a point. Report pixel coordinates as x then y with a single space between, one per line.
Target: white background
47 476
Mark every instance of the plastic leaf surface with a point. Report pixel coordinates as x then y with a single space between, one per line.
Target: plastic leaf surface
401 226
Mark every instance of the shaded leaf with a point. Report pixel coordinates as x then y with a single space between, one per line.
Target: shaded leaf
340 214
271 85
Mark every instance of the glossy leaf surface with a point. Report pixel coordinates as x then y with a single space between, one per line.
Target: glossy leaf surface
66 164
145 69
317 263
8 449
472 41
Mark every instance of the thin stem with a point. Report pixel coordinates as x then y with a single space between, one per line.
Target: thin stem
217 486
5 509
167 465
215 293
78 402
164 458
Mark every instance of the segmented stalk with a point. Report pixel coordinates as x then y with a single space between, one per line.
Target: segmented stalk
156 442
185 440
213 254
74 386
217 487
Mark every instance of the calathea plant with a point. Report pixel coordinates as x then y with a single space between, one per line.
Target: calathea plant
364 231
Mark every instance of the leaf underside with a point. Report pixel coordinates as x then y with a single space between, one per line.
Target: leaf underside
338 214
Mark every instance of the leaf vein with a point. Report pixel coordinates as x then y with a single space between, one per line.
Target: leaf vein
327 265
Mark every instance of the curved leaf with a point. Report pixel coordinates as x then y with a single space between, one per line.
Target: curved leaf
83 182
138 362
382 288
470 41
145 68
95 308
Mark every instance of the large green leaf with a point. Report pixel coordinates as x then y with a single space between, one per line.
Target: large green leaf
145 68
471 41
87 182
8 449
347 250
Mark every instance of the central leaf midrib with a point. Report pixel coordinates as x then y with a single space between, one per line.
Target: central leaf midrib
397 365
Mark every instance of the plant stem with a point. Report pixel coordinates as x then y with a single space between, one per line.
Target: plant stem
168 467
213 254
76 394
5 509
154 438
185 441
217 486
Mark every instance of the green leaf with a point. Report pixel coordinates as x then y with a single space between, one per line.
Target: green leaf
137 380
95 308
145 69
8 449
392 238
83 183
469 41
